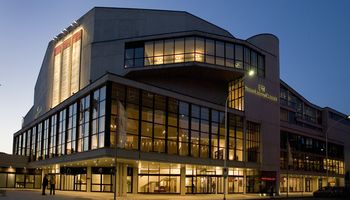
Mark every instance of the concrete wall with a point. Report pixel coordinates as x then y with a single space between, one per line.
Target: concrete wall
113 25
44 83
262 110
103 50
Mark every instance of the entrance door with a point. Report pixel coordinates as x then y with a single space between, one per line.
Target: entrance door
202 184
307 185
319 183
235 184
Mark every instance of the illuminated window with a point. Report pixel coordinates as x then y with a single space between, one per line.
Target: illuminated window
84 121
179 50
53 134
190 49
253 142
98 118
236 95
72 129
61 146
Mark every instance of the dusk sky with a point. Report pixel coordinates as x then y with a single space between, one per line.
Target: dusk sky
314 44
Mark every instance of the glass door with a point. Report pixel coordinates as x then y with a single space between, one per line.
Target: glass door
307 185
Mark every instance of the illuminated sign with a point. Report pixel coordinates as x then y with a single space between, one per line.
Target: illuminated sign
261 92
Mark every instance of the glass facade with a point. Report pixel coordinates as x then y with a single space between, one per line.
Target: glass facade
309 154
299 112
171 126
20 178
144 121
67 131
194 49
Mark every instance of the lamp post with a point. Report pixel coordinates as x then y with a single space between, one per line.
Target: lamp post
329 128
225 171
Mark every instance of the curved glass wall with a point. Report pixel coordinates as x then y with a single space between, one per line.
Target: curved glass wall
193 49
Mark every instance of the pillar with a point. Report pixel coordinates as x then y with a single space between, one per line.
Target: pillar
183 180
88 179
216 185
135 179
303 184
226 186
244 181
124 180
287 183
42 177
121 185
278 182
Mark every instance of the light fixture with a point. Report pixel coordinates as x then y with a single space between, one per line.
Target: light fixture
251 72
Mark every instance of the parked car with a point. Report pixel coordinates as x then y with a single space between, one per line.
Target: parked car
332 192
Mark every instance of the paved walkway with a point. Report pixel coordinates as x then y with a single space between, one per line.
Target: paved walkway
68 195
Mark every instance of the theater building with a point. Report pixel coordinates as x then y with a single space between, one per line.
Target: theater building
163 99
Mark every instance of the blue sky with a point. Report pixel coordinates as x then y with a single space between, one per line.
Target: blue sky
314 44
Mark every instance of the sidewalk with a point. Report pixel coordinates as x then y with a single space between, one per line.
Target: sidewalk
17 194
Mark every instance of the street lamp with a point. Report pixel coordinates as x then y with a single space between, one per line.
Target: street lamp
329 128
225 171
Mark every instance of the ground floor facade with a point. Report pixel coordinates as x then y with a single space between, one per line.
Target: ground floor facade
145 177
164 142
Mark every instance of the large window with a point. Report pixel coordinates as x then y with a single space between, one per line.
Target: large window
46 138
84 122
173 133
236 94
39 142
184 136
34 144
153 122
101 180
158 178
53 135
189 49
98 118
253 142
61 145
235 138
72 129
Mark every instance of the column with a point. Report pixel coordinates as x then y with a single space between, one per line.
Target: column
135 179
116 181
183 180
88 179
121 186
42 177
226 186
287 183
303 184
244 181
124 180
278 182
